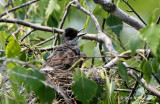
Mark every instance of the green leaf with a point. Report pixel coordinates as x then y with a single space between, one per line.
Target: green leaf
151 35
33 80
90 5
154 16
134 43
122 70
18 78
99 11
13 48
155 65
137 101
84 89
110 87
3 38
78 74
52 22
114 21
46 55
147 71
86 21
3 27
51 6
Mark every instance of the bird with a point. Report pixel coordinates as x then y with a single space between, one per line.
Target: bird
61 59
68 52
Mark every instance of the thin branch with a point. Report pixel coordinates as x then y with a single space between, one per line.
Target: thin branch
102 54
158 20
63 20
46 49
31 25
78 6
2 50
65 14
18 7
134 11
123 90
17 61
51 38
132 92
11 3
27 35
155 76
16 32
151 89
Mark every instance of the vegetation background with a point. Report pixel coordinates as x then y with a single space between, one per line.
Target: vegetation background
131 45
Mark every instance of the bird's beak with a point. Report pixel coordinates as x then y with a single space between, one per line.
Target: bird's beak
80 30
80 34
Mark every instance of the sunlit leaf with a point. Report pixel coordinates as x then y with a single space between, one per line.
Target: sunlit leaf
51 6
78 74
13 48
151 35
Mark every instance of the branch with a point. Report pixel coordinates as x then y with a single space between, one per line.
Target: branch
101 36
17 61
151 89
51 38
158 20
18 7
31 25
132 92
65 14
147 86
117 12
27 35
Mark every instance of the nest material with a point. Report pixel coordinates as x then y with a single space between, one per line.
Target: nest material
63 79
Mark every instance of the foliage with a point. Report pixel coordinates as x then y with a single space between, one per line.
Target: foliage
20 60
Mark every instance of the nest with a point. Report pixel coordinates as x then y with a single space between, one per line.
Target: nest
63 80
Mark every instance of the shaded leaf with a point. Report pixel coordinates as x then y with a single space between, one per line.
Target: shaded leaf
3 37
84 89
147 71
122 70
114 21
155 65
33 81
52 22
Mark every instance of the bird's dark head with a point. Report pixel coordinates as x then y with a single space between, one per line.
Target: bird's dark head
69 34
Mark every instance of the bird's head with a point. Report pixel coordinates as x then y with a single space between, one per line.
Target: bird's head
69 35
